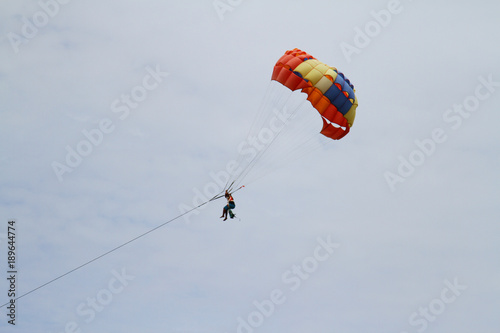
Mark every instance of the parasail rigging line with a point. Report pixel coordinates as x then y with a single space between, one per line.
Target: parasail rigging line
239 177
217 196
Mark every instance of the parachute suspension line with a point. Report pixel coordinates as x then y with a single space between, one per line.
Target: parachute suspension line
296 154
256 120
303 142
112 250
280 105
299 138
229 188
259 118
275 95
239 188
262 152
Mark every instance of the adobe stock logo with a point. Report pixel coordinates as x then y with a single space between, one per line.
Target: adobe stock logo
88 311
224 6
293 278
429 313
31 27
373 28
121 106
454 118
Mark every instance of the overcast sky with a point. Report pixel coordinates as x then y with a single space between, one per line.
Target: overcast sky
117 115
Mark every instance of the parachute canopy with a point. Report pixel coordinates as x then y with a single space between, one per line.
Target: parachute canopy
304 98
328 90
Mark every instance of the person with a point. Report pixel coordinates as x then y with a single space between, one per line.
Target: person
230 205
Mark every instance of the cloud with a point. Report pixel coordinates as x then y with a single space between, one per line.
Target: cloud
397 247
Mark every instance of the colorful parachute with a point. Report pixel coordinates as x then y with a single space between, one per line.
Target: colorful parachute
328 90
287 125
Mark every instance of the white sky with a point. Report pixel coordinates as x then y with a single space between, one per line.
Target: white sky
400 248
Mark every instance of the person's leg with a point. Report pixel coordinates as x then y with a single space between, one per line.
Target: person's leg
224 212
226 208
231 206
